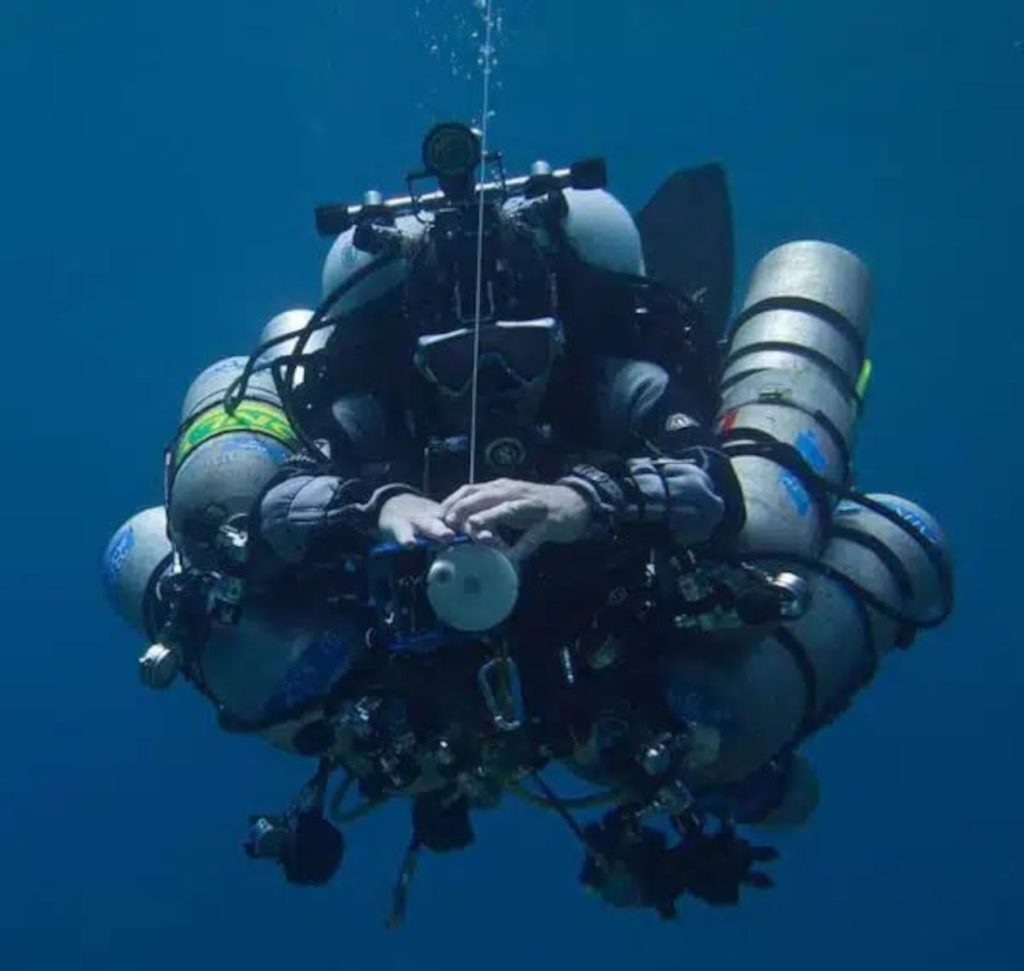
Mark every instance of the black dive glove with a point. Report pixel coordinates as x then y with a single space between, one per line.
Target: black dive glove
307 846
630 865
625 864
714 867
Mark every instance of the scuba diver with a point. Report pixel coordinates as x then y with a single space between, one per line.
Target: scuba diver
507 499
416 389
572 438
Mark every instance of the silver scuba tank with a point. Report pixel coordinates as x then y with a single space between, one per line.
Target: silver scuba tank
279 657
374 271
220 462
791 376
287 328
134 559
275 658
810 301
764 697
137 558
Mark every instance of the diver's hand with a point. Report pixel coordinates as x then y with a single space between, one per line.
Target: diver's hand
715 867
544 513
407 517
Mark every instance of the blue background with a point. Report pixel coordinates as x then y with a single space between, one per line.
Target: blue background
159 166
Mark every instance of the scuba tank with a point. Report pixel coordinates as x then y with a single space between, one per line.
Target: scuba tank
221 461
266 672
769 696
877 568
136 557
790 379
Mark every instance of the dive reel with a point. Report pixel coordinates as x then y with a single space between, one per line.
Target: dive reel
428 595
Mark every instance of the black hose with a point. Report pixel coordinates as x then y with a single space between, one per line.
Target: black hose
290 362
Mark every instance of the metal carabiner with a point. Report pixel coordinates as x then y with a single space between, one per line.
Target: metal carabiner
502 691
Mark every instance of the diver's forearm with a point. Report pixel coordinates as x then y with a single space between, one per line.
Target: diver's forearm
689 500
317 517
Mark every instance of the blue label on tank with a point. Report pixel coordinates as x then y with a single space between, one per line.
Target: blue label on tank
910 516
808 446
247 442
321 664
117 552
913 518
800 496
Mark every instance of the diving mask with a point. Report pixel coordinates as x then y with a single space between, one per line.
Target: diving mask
512 355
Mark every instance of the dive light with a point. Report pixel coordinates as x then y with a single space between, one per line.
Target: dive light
451 153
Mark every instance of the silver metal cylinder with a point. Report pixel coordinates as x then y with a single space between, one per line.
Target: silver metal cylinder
914 551
221 461
824 279
137 554
790 377
292 322
805 410
787 339
763 697
209 387
278 656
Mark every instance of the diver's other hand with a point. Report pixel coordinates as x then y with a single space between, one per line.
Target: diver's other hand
714 867
544 513
408 517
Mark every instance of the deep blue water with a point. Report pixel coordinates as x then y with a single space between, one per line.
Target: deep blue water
158 167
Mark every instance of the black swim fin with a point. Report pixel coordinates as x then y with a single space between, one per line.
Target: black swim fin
686 229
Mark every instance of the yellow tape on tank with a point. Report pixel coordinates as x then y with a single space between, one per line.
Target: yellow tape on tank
249 416
865 379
